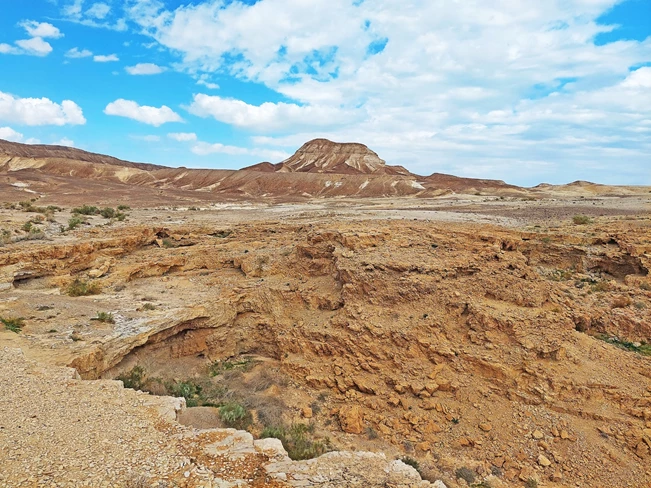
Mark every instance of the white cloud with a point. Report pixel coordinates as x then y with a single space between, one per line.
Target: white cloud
77 53
35 46
205 149
8 134
495 88
98 10
39 111
41 29
204 80
268 116
183 136
146 138
8 49
64 142
98 15
147 115
145 69
101 58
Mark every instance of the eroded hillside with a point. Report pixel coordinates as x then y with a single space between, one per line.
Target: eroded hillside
508 355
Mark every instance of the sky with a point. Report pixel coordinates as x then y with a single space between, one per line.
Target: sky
527 92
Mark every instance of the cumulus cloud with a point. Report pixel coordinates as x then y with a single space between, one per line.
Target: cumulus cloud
41 29
101 58
64 142
8 134
142 113
39 111
98 14
145 69
205 149
268 116
35 46
78 53
183 136
98 10
497 88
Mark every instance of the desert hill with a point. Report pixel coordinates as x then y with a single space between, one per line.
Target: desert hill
320 168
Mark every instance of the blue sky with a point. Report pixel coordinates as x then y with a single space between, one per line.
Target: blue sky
502 89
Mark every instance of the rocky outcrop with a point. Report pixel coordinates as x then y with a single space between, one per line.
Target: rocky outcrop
324 156
107 434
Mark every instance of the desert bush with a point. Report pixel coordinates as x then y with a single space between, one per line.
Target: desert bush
13 324
638 347
81 288
298 441
86 210
104 317
220 367
189 390
120 216
75 222
149 306
581 219
411 462
107 212
531 483
27 226
124 207
235 416
133 379
466 474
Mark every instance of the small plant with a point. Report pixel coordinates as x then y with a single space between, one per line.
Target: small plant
602 286
297 441
466 474
75 222
645 286
411 462
27 226
149 306
104 317
133 379
581 220
371 433
531 483
638 347
120 216
188 390
235 416
219 367
81 288
86 210
13 324
167 243
107 212
124 207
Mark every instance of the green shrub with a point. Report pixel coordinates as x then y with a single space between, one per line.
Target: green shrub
581 219
133 379
638 347
149 306
219 367
466 474
75 222
104 317
85 210
124 207
81 288
120 216
235 416
411 462
188 390
107 212
27 226
531 483
14 324
297 441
